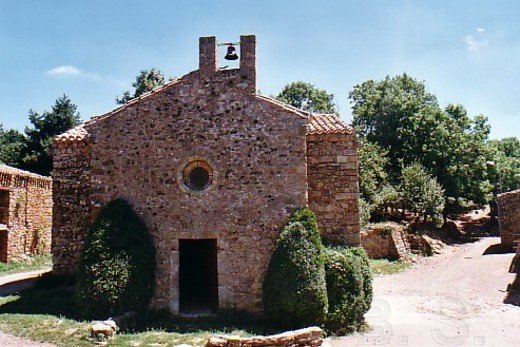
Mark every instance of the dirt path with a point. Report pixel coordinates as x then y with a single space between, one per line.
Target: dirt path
14 341
451 299
14 283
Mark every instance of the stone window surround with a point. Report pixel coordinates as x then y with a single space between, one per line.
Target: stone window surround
180 175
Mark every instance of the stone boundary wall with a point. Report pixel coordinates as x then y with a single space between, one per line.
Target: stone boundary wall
332 170
509 219
388 241
28 229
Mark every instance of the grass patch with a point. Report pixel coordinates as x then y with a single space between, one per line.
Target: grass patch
48 313
35 262
387 267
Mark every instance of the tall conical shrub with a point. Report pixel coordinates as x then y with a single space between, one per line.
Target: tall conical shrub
295 292
117 268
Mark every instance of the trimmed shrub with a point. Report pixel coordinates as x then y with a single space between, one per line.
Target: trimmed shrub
117 269
295 292
349 289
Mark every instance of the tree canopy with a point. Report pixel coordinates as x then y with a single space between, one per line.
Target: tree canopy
400 116
144 82
307 97
35 155
12 143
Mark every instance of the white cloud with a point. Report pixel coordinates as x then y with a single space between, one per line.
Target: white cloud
72 71
64 70
481 30
474 44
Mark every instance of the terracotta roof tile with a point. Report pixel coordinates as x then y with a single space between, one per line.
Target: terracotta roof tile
328 124
6 169
75 134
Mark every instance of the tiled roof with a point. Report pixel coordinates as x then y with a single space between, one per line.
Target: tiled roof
328 124
75 134
14 171
11 177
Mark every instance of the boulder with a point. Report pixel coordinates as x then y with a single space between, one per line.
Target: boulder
106 328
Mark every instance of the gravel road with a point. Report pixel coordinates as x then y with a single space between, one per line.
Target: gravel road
451 299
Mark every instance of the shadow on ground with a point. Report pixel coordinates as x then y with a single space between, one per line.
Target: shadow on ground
57 299
496 249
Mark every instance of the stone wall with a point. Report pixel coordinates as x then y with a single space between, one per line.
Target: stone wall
509 219
255 147
333 185
73 208
29 217
266 160
385 240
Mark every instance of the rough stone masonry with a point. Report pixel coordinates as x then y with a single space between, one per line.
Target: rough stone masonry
509 219
205 157
25 213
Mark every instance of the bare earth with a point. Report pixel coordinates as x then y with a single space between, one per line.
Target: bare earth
451 299
14 341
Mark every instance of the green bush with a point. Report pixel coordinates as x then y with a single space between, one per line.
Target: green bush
117 269
364 213
421 193
349 289
295 292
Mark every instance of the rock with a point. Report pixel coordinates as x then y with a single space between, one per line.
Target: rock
311 336
106 328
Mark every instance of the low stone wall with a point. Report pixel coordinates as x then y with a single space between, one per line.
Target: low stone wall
28 213
385 240
509 219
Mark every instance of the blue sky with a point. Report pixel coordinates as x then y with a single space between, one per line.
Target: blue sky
468 52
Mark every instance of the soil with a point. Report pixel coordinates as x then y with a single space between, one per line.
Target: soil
14 341
451 299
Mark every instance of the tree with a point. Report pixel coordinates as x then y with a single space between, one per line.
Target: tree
373 162
421 193
36 153
404 119
12 143
505 164
307 97
144 82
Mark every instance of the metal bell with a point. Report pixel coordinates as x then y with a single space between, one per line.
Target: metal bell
231 53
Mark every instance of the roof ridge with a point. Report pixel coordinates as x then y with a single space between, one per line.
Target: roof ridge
291 108
79 132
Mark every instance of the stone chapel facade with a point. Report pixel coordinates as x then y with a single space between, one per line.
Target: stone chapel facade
214 169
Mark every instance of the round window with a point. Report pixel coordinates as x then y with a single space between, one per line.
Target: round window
197 175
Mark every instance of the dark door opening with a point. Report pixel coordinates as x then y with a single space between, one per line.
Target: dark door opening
198 282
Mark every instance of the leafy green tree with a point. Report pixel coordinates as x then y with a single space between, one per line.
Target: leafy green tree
12 143
373 162
144 82
505 164
307 97
421 193
35 154
404 119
